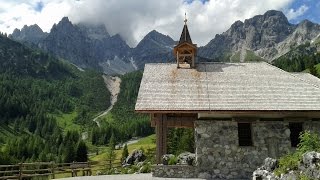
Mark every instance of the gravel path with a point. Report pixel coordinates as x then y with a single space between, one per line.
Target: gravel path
113 85
123 177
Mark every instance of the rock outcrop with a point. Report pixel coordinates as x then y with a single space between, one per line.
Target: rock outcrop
309 167
268 36
134 158
29 34
186 158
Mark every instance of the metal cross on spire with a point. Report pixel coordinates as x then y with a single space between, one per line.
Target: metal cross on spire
185 18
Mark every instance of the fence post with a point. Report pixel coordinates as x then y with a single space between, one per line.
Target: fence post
20 171
72 170
89 165
52 170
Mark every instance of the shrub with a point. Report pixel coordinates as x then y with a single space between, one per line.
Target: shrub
145 168
287 163
308 142
173 160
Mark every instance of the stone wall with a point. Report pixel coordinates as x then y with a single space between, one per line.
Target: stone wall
174 171
313 126
219 156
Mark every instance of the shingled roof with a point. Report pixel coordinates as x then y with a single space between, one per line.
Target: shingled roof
226 86
185 36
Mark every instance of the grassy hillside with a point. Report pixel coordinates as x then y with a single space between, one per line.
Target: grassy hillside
122 121
42 100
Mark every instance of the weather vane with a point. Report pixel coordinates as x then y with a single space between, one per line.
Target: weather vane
185 18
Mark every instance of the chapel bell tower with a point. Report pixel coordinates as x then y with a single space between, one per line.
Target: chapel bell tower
185 51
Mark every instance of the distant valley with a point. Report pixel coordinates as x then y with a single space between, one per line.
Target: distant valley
52 84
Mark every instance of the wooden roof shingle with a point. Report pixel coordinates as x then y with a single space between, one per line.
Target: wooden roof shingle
226 86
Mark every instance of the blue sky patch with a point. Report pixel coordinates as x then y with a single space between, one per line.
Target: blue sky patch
39 6
190 1
312 13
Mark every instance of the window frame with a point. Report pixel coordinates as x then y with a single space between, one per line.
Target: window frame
249 139
294 143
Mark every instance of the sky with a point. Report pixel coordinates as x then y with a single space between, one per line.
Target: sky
133 19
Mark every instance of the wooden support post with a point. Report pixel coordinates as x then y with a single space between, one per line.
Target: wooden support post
193 59
52 170
161 136
177 59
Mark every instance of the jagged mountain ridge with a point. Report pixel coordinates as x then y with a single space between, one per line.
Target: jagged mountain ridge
266 36
91 46
154 47
269 36
29 34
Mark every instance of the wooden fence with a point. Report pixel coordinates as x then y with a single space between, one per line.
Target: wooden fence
29 170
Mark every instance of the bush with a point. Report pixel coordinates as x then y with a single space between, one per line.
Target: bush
146 168
308 142
287 163
173 160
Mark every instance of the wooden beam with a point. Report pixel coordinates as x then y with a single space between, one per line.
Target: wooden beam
161 137
185 55
178 59
301 113
175 121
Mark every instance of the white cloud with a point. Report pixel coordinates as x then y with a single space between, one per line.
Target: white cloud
293 14
133 19
16 14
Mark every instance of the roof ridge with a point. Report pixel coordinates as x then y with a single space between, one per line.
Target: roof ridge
292 74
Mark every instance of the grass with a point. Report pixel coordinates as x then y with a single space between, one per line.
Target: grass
235 57
65 121
250 56
145 143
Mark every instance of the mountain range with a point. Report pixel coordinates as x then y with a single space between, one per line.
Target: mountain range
262 37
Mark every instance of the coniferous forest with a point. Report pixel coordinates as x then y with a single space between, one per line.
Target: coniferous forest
36 89
302 57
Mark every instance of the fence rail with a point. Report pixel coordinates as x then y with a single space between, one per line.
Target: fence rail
28 170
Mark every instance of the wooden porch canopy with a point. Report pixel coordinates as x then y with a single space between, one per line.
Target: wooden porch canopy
162 122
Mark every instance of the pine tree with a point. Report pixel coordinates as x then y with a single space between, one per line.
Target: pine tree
69 155
125 152
112 142
111 155
82 152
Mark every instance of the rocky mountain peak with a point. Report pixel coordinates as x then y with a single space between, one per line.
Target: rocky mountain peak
260 34
32 29
65 20
275 13
306 24
63 25
94 31
32 34
154 39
